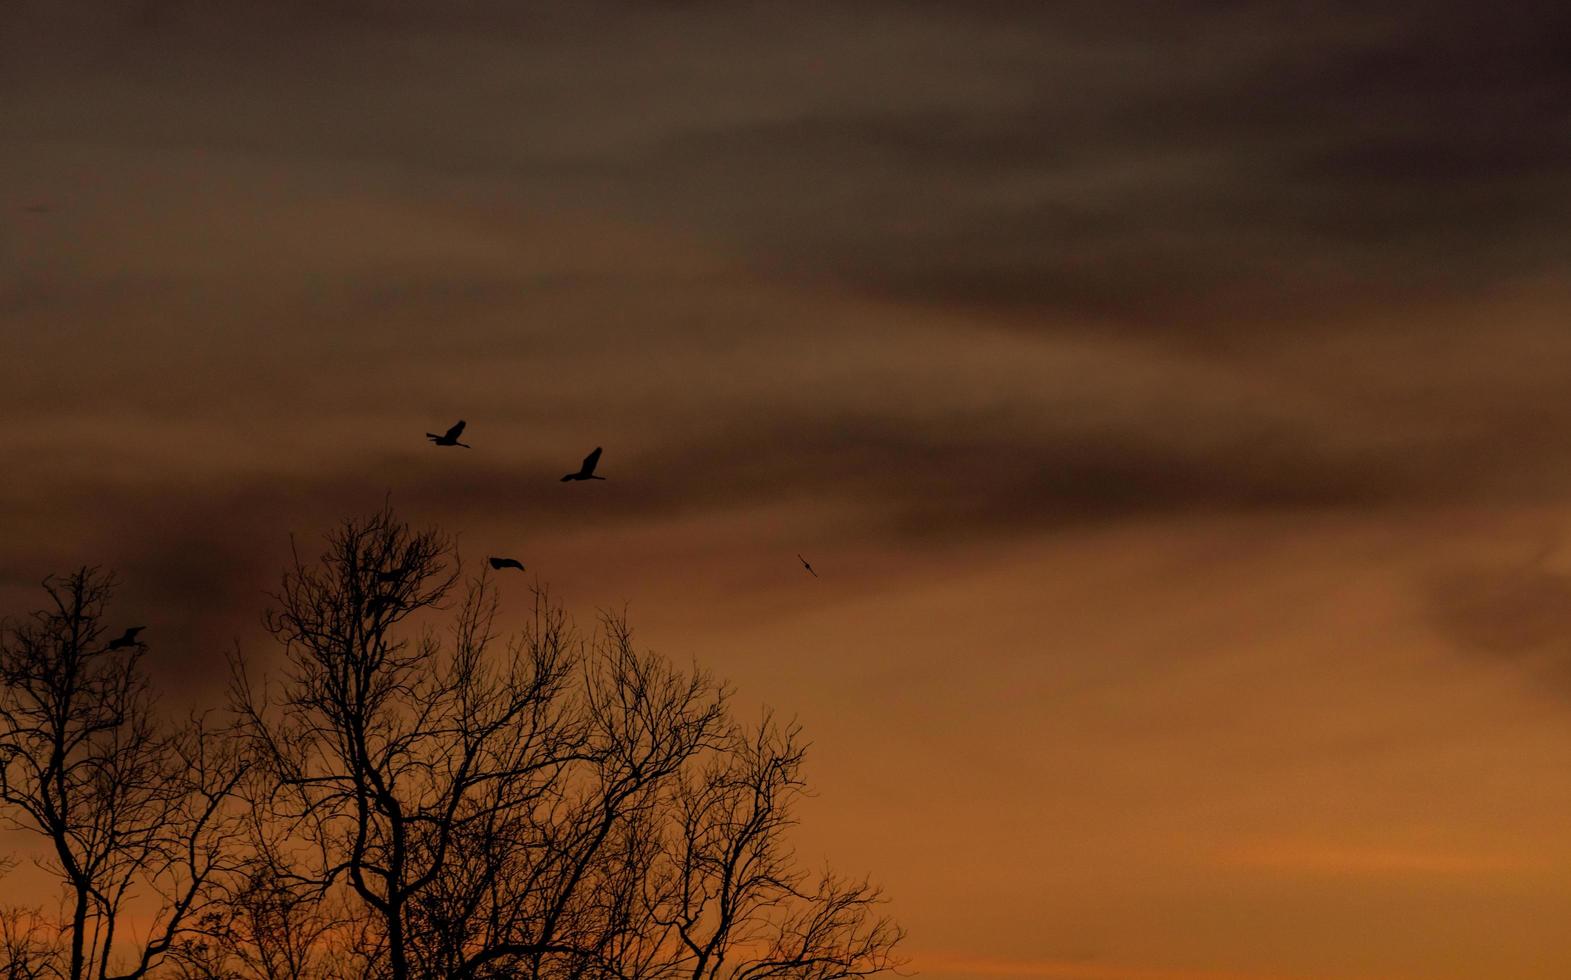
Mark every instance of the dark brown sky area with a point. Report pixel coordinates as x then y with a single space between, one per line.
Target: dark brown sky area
1173 398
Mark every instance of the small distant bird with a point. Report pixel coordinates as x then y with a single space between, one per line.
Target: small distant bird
807 566
450 437
126 639
500 563
586 471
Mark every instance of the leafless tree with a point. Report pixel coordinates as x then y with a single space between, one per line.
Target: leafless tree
133 812
422 797
385 748
28 948
548 805
274 929
733 895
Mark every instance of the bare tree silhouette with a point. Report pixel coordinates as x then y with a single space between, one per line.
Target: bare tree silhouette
732 888
126 804
277 929
551 805
422 797
28 950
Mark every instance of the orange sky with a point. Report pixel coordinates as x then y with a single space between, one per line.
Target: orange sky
1172 402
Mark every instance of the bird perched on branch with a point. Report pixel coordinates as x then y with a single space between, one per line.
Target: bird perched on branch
450 437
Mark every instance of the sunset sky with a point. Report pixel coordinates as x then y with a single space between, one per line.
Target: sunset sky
1174 399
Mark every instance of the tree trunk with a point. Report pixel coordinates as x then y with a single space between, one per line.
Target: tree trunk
395 941
79 935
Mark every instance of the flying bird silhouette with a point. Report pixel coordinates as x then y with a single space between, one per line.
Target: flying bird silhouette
807 566
450 437
126 639
586 471
500 563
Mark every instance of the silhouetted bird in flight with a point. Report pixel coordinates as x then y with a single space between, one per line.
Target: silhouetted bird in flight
126 639
500 563
807 566
450 437
586 471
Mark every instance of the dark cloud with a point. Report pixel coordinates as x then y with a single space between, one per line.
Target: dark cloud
1511 615
292 222
1136 163
982 476
1503 612
1295 176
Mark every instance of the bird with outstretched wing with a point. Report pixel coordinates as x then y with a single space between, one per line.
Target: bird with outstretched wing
450 437
587 470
